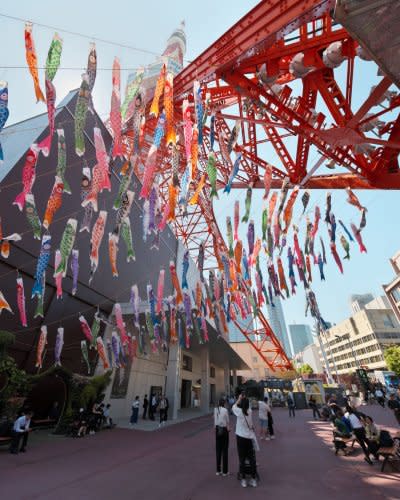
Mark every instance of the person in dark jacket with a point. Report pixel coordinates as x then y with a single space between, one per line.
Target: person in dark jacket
145 406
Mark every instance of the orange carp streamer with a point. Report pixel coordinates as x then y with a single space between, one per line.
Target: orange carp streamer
31 59
195 198
288 211
170 135
154 109
173 192
194 151
175 282
282 279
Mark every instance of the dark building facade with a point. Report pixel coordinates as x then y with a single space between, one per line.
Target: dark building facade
104 290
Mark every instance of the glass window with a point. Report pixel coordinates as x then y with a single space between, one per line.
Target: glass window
212 371
186 363
396 293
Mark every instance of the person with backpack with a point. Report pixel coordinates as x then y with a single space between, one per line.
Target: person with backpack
245 440
221 424
291 404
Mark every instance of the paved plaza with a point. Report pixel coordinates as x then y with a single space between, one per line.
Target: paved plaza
177 462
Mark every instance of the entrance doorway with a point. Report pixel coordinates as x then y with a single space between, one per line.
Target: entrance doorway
157 390
186 393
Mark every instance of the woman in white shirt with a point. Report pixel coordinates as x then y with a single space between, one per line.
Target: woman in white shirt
221 423
244 440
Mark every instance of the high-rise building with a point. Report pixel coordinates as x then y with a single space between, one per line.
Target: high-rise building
276 320
392 290
299 336
359 301
145 79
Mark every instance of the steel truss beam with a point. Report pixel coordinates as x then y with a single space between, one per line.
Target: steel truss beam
246 75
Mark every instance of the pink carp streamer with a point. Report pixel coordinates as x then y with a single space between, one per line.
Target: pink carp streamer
21 300
115 113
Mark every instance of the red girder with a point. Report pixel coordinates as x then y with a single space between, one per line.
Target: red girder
236 89
303 146
266 23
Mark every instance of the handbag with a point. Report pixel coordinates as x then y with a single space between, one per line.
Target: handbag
220 430
254 440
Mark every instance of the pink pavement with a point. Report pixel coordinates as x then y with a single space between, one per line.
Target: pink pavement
178 463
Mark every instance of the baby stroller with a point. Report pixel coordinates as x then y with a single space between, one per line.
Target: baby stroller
248 470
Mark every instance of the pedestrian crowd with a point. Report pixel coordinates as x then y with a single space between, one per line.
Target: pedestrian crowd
150 406
350 424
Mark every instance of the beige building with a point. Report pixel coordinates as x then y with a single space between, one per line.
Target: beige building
257 369
392 290
360 340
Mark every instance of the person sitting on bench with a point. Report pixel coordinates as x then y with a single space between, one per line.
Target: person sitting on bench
340 432
372 434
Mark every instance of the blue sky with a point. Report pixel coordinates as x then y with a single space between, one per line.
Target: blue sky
148 27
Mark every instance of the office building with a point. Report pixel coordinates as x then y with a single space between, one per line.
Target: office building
300 336
360 340
359 301
392 290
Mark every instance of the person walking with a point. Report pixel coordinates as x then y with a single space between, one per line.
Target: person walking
291 405
164 405
270 420
263 409
380 397
135 411
21 430
107 416
394 405
313 405
245 436
221 424
145 406
153 406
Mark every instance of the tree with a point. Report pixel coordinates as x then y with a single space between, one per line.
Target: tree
306 369
392 358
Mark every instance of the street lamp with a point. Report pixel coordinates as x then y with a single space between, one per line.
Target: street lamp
347 336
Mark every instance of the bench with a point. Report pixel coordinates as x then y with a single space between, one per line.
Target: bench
44 422
5 440
390 455
344 440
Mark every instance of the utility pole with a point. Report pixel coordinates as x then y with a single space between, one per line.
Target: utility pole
321 346
333 358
